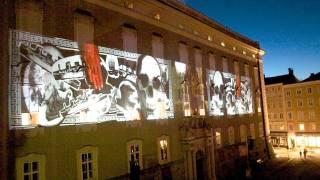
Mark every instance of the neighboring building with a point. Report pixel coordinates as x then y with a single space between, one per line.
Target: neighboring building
102 89
294 110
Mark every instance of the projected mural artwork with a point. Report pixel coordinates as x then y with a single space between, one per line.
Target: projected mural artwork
55 82
228 93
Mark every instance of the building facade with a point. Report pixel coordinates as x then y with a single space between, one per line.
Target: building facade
293 110
128 89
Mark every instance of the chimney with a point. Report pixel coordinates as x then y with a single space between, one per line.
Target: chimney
290 70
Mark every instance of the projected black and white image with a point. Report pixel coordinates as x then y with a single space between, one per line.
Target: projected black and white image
228 93
55 82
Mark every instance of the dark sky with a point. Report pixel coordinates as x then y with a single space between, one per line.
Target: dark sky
288 30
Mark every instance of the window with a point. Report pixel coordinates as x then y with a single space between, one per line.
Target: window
157 46
218 137
289 104
134 151
87 163
83 28
163 149
310 102
212 61
300 115
288 93
281 126
225 64
301 127
261 129
300 103
299 91
312 115
281 116
309 90
256 76
313 127
289 114
252 131
29 16
129 39
243 133
290 126
231 135
31 167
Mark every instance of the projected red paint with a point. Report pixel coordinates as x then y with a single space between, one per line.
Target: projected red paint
93 66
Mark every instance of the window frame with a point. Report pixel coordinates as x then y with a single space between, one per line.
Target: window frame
85 150
134 143
167 139
30 158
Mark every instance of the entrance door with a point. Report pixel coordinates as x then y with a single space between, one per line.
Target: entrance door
200 166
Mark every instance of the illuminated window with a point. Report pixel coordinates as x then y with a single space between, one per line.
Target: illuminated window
225 64
157 46
231 135
31 167
134 150
163 147
301 127
83 28
218 137
29 16
243 133
299 91
261 129
129 38
281 127
252 131
300 103
87 163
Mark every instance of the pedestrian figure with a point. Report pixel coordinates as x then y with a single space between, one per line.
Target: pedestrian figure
300 154
305 153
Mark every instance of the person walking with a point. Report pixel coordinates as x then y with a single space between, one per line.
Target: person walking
300 154
305 153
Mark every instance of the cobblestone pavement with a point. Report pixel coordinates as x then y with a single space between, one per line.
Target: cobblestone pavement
289 165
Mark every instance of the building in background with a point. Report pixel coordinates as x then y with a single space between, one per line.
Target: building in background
294 110
115 89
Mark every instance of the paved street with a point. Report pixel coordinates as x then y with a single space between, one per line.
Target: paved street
291 166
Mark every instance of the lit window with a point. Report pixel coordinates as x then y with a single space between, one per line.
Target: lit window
87 163
231 135
134 150
281 127
31 167
218 137
163 144
301 127
243 133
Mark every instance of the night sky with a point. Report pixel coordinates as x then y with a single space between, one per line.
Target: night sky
288 30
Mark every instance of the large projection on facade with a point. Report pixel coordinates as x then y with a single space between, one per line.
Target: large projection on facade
228 93
55 82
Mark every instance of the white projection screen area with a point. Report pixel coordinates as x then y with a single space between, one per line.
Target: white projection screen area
55 82
228 93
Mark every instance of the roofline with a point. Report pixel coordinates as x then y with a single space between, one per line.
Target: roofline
210 22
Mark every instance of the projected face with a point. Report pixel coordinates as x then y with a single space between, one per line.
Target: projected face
149 82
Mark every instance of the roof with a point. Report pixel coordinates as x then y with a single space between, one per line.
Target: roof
312 77
206 20
289 78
